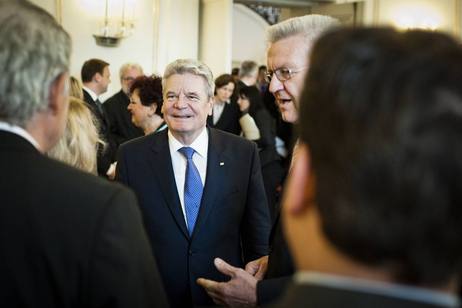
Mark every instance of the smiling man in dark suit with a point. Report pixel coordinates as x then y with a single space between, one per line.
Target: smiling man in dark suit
69 239
200 189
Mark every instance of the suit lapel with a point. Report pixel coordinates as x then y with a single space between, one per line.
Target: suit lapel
216 171
161 164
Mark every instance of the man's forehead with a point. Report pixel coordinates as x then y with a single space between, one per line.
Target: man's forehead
288 52
132 71
187 82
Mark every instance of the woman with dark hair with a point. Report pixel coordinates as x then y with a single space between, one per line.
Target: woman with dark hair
146 104
226 114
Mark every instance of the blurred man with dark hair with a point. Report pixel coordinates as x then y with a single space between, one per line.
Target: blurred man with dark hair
68 238
96 78
372 210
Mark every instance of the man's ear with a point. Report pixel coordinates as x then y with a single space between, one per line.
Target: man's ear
97 77
300 192
152 109
59 88
210 102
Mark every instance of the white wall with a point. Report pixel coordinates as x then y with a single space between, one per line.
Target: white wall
216 28
441 15
164 30
249 35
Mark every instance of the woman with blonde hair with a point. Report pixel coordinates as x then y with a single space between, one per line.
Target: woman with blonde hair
79 143
75 88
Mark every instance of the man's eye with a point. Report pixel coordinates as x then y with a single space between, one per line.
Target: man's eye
193 97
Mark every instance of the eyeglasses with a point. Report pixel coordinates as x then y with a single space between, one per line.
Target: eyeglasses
282 74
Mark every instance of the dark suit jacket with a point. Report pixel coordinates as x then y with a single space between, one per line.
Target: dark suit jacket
120 120
69 239
309 295
233 221
106 154
280 266
229 119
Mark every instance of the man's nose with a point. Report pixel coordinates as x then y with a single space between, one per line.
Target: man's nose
275 85
181 101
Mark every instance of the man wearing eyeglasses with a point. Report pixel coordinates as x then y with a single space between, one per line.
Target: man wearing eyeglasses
121 126
264 280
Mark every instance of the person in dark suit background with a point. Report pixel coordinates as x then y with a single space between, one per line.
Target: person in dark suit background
121 127
68 238
96 78
377 195
199 205
290 42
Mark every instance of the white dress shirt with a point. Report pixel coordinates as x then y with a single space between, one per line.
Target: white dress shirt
4 126
200 146
406 292
93 95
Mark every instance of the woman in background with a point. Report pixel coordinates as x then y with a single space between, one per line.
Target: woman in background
79 142
146 104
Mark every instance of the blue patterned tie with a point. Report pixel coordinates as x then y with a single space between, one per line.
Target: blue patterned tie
192 189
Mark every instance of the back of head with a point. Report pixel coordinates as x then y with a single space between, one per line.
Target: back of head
34 51
385 149
193 67
78 145
75 89
91 67
248 69
308 26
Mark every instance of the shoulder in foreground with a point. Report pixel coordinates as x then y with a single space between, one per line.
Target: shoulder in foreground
81 183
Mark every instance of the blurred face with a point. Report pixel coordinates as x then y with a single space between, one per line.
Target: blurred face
140 113
186 106
128 77
104 80
224 93
289 53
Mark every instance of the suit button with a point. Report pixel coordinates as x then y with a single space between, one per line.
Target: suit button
191 252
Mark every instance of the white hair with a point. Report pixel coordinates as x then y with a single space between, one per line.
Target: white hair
34 51
125 67
308 26
194 67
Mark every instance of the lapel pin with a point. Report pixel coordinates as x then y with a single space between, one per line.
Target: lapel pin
222 163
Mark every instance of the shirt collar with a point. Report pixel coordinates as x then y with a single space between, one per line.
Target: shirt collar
4 126
378 287
200 145
93 95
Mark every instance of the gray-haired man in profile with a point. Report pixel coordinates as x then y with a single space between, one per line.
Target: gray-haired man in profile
290 43
68 239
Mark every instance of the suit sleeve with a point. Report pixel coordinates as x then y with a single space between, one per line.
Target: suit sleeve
256 225
123 272
121 169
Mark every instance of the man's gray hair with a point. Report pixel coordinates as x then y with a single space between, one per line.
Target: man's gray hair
190 66
34 51
309 26
125 67
248 69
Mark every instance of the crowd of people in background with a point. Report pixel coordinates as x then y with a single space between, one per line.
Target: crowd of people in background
186 190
